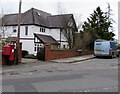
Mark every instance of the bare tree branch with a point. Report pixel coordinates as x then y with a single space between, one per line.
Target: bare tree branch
3 21
69 26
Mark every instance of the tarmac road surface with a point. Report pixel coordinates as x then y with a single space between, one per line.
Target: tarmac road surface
95 75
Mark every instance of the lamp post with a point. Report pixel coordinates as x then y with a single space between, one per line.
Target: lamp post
18 34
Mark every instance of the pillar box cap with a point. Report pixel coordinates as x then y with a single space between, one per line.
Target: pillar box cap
12 45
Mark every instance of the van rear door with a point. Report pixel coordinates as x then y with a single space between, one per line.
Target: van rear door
97 48
105 48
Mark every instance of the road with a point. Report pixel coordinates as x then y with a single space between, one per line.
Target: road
95 75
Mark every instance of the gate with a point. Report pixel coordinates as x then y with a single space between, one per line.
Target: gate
41 54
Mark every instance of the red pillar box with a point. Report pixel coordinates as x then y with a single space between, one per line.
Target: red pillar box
6 50
5 54
8 54
12 46
11 57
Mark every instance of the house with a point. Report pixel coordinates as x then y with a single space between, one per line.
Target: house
39 28
119 22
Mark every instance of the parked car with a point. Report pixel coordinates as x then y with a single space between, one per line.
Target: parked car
106 48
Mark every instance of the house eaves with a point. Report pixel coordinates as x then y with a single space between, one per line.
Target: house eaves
38 18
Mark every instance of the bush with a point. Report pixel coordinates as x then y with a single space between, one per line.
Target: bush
31 56
24 53
118 46
41 54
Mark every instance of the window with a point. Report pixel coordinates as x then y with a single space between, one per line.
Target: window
35 48
38 47
14 29
67 46
70 24
38 13
44 30
63 46
98 43
40 29
26 30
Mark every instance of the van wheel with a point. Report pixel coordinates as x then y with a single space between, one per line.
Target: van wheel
117 55
112 56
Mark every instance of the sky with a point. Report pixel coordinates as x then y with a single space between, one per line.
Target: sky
81 8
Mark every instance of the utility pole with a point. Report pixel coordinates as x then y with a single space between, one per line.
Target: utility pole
18 34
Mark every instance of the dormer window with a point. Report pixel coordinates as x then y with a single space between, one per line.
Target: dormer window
70 24
38 13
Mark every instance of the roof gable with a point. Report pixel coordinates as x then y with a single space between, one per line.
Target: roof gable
59 21
40 17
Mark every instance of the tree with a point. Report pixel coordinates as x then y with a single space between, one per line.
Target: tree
3 22
98 24
108 13
68 32
60 8
78 20
69 26
3 27
82 40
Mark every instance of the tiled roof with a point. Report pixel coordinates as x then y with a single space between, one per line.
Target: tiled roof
59 20
37 17
46 39
11 39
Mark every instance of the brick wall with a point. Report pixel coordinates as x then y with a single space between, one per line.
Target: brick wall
58 54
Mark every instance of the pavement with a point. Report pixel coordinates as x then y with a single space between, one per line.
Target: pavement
32 64
73 59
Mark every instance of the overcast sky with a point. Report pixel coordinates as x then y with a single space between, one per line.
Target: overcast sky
78 7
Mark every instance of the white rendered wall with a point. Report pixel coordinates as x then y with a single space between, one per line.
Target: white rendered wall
55 33
9 32
29 44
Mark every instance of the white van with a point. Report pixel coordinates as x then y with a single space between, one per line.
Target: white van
105 48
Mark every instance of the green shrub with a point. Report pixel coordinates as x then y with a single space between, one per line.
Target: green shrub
24 53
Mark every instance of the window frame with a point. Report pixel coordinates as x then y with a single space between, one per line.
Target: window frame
26 30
